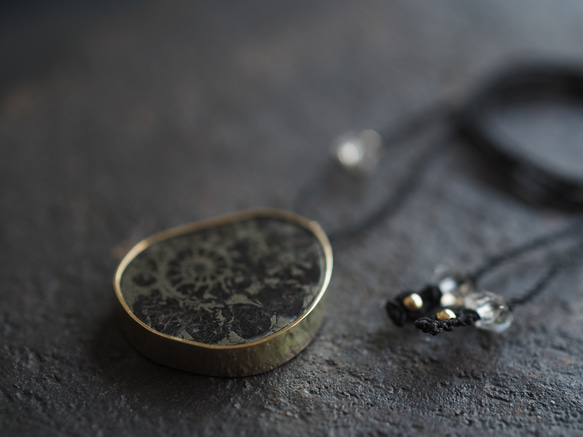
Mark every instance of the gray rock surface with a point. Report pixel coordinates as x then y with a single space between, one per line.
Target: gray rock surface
160 114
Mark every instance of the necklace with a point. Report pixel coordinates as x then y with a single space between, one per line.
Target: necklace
455 300
243 293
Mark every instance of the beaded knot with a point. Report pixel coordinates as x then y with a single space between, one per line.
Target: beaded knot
453 302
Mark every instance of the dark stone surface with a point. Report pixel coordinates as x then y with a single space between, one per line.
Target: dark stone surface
165 113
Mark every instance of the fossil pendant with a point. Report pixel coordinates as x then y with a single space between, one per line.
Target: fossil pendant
232 296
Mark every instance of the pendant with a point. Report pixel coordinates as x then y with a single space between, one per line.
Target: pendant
236 295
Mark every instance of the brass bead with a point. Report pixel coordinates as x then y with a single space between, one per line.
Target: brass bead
413 302
446 315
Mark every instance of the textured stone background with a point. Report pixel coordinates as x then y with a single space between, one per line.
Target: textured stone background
121 120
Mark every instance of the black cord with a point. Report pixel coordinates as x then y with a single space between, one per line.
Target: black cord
574 229
552 272
430 295
438 113
430 325
522 175
531 180
393 202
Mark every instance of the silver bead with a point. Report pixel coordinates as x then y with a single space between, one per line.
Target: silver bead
495 315
358 153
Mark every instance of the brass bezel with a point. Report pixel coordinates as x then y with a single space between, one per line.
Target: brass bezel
244 359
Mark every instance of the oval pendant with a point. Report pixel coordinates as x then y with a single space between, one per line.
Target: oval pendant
235 295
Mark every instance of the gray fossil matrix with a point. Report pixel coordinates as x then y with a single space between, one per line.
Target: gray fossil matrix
229 284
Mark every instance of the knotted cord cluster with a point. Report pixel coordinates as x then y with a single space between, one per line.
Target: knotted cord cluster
426 314
456 301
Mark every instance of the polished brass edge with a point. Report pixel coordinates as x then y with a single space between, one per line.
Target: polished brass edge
236 362
244 359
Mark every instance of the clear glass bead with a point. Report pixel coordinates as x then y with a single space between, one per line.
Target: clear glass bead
358 153
495 315
453 286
